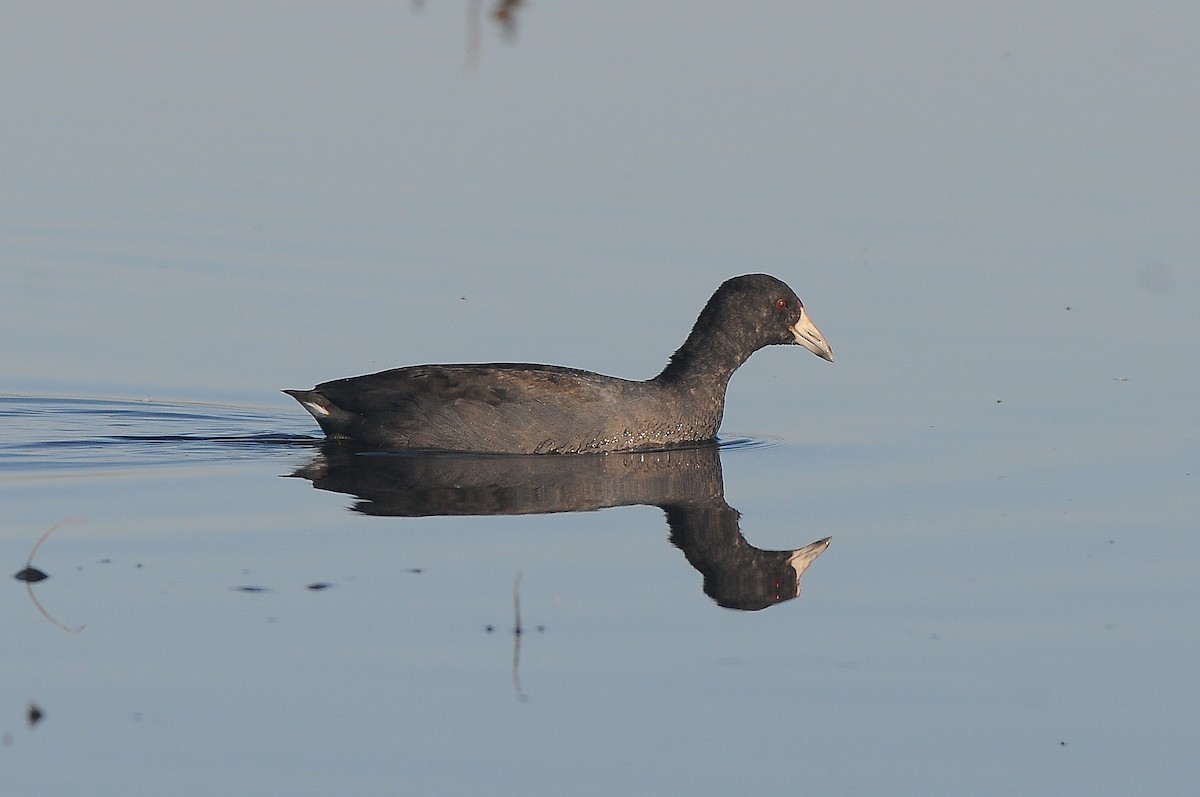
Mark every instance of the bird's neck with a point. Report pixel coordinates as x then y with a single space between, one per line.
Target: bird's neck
705 361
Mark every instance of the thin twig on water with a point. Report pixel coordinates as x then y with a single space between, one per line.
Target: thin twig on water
517 638
29 567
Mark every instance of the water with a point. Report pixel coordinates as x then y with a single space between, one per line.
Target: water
990 214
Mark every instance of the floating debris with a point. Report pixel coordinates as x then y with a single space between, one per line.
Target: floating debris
252 589
30 575
34 714
319 585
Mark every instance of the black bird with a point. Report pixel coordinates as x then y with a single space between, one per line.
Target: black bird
518 408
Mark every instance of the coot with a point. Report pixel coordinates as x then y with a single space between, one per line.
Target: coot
518 408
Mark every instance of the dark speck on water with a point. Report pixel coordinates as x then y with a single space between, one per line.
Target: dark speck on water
30 575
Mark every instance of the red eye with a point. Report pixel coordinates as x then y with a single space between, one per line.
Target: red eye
781 304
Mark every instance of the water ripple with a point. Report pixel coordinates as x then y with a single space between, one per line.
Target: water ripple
56 434
747 443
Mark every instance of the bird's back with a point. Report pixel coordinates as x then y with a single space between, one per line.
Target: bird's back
495 407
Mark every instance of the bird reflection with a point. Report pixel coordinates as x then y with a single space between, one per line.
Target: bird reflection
686 483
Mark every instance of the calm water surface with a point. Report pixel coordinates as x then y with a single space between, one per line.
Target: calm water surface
991 216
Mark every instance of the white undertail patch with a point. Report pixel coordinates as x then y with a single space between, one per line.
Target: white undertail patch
315 409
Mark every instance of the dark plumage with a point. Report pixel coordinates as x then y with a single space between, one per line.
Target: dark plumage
516 408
